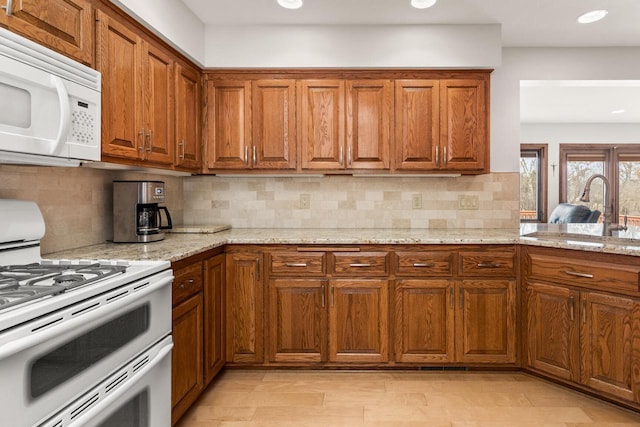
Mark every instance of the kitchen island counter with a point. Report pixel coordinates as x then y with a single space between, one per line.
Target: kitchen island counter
179 246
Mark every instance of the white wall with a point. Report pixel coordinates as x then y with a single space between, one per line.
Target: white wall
424 46
172 21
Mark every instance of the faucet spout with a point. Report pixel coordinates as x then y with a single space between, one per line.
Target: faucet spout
607 226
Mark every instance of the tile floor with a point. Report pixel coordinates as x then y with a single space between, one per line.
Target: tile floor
240 398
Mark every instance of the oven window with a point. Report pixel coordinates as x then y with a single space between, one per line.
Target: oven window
15 104
70 359
134 413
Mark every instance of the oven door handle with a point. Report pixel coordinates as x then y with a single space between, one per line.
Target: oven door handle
111 398
56 330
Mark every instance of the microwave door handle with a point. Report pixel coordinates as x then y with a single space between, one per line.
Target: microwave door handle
108 401
65 114
169 225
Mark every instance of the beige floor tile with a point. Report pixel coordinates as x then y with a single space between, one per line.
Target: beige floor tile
397 399
374 398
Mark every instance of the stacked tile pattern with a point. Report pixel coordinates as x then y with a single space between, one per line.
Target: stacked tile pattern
352 202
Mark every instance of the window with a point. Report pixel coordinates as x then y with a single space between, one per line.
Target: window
621 166
533 182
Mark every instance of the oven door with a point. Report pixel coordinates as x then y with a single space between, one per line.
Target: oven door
137 395
52 360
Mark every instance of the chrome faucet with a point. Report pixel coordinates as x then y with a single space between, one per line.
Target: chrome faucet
607 226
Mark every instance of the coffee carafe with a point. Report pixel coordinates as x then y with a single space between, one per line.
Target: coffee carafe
137 207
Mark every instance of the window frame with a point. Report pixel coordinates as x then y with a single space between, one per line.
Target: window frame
541 152
609 153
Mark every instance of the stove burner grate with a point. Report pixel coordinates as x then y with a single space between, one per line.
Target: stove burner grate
23 283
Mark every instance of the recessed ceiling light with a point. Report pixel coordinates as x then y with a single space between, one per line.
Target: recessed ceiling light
593 16
290 4
422 4
621 111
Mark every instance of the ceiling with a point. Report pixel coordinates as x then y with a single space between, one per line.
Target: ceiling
524 23
540 23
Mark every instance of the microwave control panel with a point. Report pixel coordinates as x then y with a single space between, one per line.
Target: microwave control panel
83 123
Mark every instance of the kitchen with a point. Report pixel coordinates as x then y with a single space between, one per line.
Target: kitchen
77 202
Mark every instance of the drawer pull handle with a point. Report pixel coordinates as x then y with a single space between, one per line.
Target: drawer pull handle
424 264
188 282
578 274
359 265
296 264
488 264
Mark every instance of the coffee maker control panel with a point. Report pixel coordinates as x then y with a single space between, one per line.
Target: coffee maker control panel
151 192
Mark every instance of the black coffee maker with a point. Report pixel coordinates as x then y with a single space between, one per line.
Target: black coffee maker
137 211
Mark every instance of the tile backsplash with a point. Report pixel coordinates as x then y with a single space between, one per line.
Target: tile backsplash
491 201
77 202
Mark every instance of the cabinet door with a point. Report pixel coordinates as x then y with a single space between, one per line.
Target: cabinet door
62 25
244 307
369 115
463 129
358 321
214 316
417 125
424 321
552 333
486 321
610 332
228 124
321 123
158 118
297 320
273 124
118 59
188 118
186 358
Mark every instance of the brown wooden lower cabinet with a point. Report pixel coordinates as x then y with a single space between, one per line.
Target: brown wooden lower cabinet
187 380
214 316
198 338
358 321
297 321
424 321
486 321
587 337
244 304
442 321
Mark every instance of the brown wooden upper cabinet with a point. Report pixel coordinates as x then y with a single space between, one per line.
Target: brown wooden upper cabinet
323 117
441 125
188 110
137 94
355 121
251 125
63 25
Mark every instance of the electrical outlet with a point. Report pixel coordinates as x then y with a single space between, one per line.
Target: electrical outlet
468 202
416 201
305 201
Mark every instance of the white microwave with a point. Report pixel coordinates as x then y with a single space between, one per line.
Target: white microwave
49 105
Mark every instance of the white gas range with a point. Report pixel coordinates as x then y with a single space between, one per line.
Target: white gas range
82 342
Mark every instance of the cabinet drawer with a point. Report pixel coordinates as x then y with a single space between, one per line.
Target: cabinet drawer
591 274
294 263
187 282
424 263
487 263
360 263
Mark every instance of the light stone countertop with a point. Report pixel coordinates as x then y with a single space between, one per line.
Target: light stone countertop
177 246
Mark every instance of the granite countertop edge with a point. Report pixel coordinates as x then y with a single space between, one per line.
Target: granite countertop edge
177 246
